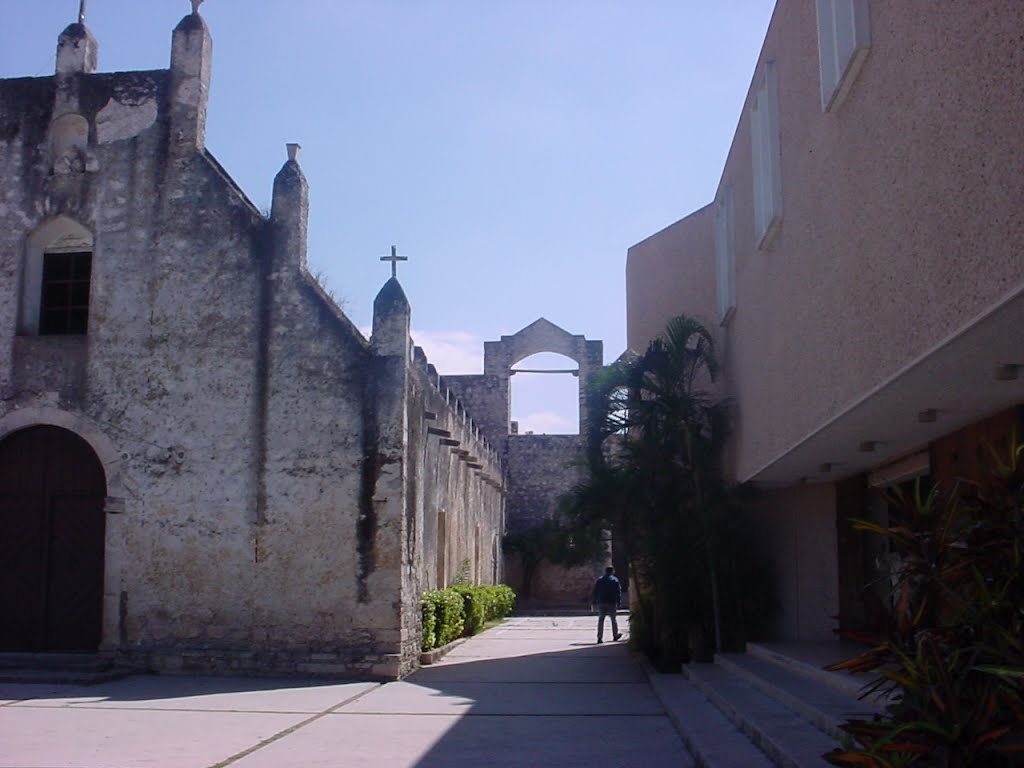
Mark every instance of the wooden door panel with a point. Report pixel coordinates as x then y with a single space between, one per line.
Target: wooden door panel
75 589
52 536
22 572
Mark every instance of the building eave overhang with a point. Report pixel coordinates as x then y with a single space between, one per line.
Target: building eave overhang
955 384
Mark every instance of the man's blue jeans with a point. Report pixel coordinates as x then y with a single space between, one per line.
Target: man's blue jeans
606 609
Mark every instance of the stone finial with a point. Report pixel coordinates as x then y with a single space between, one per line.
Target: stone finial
81 11
77 50
391 321
289 214
293 152
191 57
195 6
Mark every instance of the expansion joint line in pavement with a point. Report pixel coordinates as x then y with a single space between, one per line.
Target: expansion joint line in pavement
290 730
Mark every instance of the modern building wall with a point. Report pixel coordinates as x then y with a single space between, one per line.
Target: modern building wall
874 248
900 223
667 271
796 528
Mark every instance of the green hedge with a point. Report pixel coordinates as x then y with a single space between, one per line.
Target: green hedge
462 611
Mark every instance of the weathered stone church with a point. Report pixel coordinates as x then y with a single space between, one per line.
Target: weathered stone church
204 465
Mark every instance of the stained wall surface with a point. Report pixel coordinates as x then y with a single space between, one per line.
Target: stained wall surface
269 486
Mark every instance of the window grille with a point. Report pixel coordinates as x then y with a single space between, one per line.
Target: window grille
64 305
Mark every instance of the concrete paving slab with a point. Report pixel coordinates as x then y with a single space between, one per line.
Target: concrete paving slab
530 646
14 692
492 651
409 741
228 694
559 624
509 699
79 737
519 699
550 669
583 630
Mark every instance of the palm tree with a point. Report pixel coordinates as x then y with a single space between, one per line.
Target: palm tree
654 446
679 419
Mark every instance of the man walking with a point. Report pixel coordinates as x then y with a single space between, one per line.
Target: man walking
607 596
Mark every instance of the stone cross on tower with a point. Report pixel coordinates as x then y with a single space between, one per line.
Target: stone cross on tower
394 258
195 5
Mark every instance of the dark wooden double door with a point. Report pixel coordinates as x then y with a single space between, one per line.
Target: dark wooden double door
52 526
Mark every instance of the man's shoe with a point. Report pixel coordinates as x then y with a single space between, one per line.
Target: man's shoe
599 641
618 636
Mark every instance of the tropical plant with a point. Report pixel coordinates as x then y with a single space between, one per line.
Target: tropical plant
654 444
951 660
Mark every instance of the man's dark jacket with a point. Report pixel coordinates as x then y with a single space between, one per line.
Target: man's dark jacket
607 590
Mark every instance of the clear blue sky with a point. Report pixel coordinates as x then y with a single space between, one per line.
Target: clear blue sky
513 149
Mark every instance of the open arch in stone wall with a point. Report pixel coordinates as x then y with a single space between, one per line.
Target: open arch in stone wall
541 336
544 391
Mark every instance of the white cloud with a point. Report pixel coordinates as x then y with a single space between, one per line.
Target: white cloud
546 423
452 352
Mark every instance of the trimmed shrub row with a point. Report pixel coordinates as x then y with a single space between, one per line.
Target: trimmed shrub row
462 611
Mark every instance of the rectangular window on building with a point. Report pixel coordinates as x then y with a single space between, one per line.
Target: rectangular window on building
64 305
844 37
725 255
767 157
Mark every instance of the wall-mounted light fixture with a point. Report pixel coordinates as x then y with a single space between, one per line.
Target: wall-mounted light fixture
927 416
825 467
868 446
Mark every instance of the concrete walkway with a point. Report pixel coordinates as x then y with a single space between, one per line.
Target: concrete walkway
535 691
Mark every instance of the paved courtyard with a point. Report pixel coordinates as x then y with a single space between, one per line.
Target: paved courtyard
535 691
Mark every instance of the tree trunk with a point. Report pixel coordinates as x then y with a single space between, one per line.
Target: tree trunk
707 520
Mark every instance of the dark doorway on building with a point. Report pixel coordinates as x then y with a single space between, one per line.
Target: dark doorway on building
52 526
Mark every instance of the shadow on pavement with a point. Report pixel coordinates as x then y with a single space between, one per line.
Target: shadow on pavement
547 703
152 687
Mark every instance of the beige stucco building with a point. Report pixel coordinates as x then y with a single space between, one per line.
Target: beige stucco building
862 268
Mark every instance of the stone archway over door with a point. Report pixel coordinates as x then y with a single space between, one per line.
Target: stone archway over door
52 536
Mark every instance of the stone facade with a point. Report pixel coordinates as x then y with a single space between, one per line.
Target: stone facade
280 489
541 468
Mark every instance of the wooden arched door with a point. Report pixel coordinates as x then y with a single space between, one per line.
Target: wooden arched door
52 526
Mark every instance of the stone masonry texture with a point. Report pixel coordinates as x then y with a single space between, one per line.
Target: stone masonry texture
274 479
